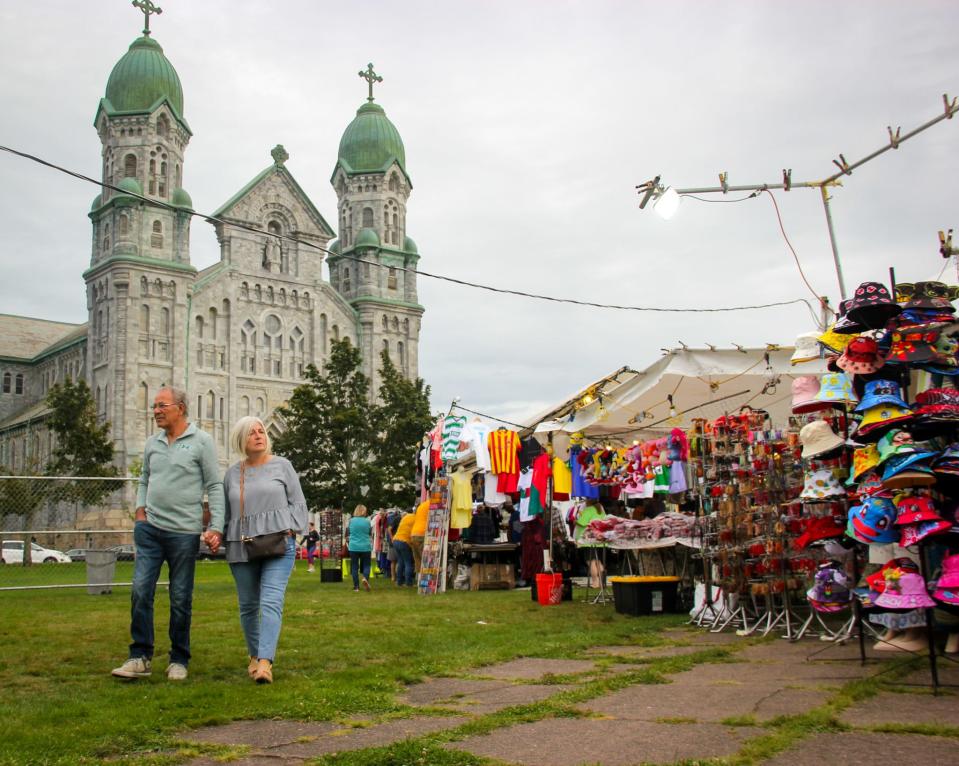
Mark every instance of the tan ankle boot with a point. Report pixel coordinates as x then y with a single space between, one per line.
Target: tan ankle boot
264 672
251 668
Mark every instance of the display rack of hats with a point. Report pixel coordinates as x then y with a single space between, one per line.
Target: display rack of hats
904 472
746 474
821 405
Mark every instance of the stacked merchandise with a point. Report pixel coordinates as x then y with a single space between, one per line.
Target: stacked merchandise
431 577
330 527
904 473
749 477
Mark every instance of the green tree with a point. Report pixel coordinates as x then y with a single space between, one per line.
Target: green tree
83 445
402 417
330 436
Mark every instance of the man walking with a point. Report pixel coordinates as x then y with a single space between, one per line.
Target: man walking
179 466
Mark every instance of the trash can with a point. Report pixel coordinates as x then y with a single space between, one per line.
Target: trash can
101 567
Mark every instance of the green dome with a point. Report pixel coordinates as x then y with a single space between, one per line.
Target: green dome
97 202
129 184
334 246
367 238
142 77
371 141
180 198
409 245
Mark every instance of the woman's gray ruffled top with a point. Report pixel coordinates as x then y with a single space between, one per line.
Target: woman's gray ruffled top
272 502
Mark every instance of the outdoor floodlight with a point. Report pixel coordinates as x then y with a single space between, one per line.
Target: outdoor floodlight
667 204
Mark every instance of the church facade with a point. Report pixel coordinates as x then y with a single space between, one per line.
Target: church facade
238 335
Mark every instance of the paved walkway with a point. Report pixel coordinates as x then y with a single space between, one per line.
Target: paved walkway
698 696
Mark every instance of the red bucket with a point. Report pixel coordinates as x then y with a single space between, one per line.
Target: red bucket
549 589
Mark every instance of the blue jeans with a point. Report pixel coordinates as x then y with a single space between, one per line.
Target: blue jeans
359 560
153 547
260 590
404 563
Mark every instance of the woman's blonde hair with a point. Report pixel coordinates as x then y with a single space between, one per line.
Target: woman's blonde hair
360 510
241 433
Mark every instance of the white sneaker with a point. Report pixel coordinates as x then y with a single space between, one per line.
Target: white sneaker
176 672
135 667
311 569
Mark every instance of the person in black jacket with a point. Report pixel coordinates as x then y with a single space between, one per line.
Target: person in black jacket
310 540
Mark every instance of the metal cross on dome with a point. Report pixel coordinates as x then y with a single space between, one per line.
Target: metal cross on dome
148 9
370 76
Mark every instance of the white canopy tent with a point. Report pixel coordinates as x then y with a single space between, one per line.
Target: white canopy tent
701 383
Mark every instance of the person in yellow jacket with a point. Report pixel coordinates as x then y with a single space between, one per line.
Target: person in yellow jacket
418 533
404 554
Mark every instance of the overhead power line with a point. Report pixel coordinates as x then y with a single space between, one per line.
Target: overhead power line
440 277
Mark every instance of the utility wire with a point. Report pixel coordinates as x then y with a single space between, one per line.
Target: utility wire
452 280
802 274
704 199
488 417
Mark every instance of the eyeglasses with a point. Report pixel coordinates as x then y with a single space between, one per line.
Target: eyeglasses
164 405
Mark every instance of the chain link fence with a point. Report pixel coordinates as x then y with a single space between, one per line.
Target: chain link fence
68 532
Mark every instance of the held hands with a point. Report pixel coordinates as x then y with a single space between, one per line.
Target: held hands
213 539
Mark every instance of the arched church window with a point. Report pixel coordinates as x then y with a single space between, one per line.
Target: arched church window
211 405
156 238
346 279
130 166
245 291
386 347
179 180
124 226
391 279
401 355
7 380
199 328
144 318
199 407
296 340
18 384
367 217
260 406
211 327
396 229
97 398
244 406
163 125
164 321
323 323
394 183
336 332
386 323
106 236
143 398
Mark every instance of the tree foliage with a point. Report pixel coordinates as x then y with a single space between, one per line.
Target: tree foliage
402 417
83 445
346 448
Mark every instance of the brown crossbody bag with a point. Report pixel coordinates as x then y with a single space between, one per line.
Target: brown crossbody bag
267 546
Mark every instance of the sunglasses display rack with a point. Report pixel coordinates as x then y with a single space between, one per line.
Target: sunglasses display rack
746 475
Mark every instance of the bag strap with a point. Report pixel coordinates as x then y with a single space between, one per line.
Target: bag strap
242 484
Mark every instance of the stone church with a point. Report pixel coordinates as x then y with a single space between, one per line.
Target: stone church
237 335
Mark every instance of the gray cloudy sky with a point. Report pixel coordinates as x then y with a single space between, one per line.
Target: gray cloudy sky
527 125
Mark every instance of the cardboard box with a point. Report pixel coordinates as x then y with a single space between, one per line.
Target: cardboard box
483 576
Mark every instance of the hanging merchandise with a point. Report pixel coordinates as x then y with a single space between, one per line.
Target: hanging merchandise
453 426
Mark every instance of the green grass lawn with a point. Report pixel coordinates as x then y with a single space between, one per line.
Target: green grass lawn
342 654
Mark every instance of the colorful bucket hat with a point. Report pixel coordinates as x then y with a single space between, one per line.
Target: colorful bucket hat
830 591
818 528
804 390
950 572
939 402
916 508
877 580
913 533
870 485
834 342
915 344
807 348
895 442
881 392
873 521
861 356
844 325
821 485
863 459
904 590
836 389
947 595
913 461
872 306
877 420
927 295
818 438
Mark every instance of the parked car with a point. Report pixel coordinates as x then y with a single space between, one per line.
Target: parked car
125 552
77 554
13 554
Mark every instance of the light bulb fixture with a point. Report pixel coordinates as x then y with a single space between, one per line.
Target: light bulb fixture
667 204
672 408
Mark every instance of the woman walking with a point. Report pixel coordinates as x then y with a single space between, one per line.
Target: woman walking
263 498
359 540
